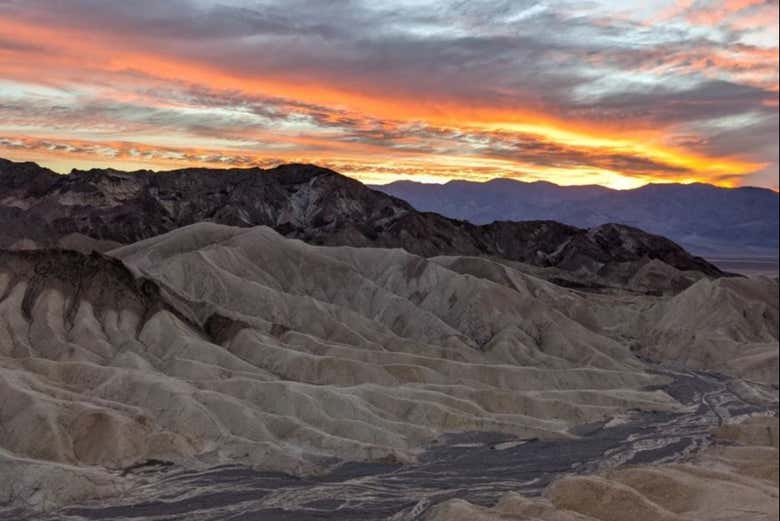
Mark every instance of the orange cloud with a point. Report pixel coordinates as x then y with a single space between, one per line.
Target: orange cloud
68 56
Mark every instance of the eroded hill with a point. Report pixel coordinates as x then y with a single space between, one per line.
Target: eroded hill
213 344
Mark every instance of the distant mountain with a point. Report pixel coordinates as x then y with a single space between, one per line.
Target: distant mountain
703 218
100 208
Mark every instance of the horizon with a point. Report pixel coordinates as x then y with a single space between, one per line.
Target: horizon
401 179
424 90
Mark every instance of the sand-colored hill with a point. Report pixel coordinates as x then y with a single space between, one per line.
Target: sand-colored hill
726 325
281 354
219 344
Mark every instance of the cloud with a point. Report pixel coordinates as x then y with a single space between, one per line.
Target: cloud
371 83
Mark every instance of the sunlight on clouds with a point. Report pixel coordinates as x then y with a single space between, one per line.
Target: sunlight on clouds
432 90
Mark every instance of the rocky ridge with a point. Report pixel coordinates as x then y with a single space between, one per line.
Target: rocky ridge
99 209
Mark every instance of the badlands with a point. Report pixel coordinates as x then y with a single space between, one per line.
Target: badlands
227 372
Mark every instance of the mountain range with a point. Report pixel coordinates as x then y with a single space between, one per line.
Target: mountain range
101 209
706 219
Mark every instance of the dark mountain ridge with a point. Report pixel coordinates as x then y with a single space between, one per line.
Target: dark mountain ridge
703 218
39 207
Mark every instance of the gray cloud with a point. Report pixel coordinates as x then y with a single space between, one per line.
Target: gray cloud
543 56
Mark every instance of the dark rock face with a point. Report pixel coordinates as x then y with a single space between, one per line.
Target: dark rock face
619 243
307 202
102 280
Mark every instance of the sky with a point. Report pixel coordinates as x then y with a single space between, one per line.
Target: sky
591 92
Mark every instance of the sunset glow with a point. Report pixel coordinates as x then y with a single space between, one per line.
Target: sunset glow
426 90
